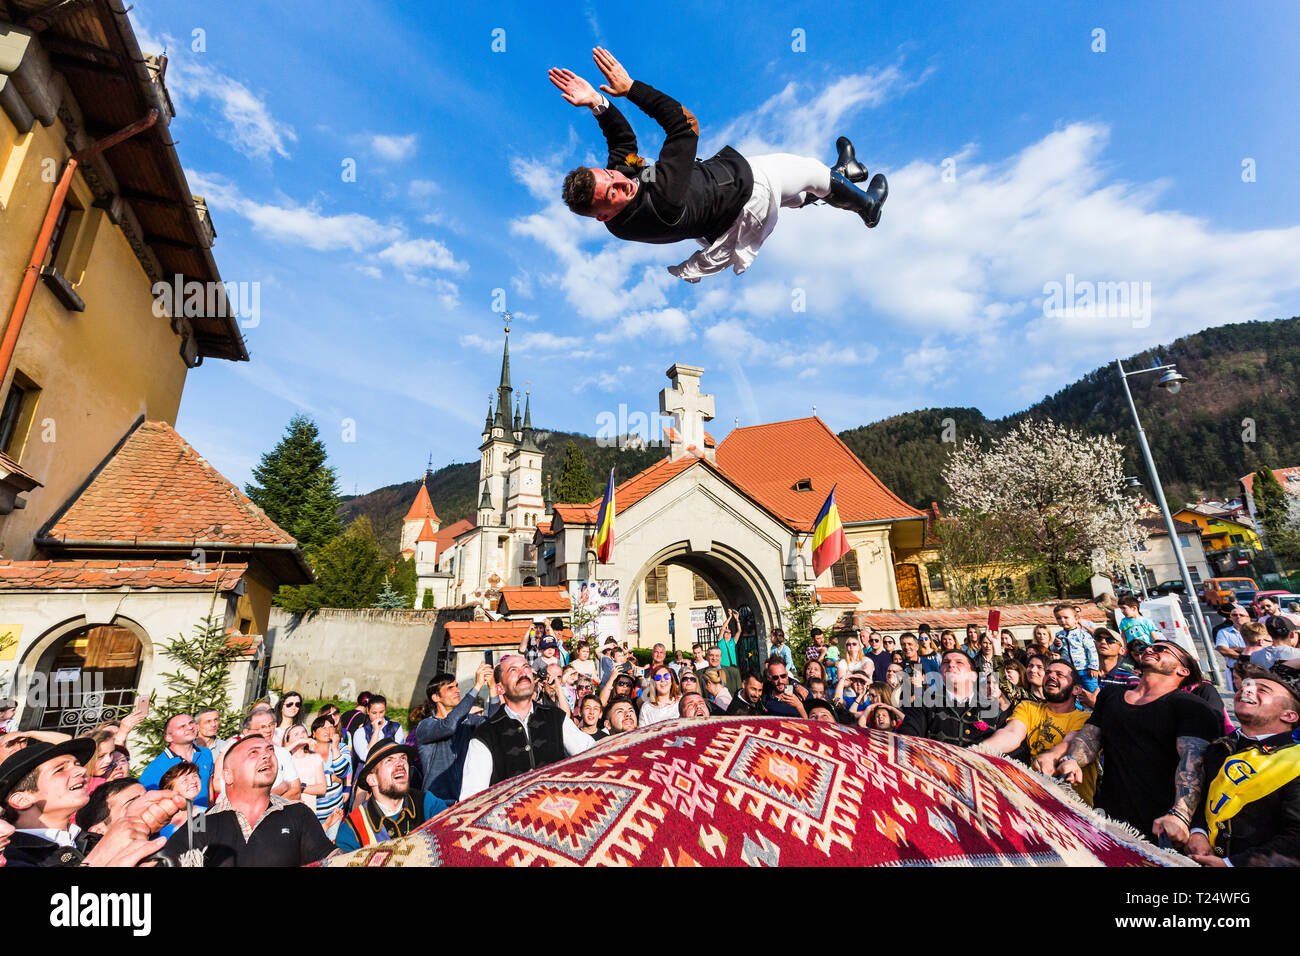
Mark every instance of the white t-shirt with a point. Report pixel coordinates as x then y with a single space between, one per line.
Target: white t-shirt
653 714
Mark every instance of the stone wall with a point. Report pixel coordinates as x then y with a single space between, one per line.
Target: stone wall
337 652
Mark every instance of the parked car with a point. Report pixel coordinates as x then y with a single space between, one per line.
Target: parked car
1167 587
1220 591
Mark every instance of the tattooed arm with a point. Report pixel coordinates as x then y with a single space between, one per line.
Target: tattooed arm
1188 781
1083 750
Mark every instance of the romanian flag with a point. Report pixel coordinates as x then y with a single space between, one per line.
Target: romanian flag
829 543
605 525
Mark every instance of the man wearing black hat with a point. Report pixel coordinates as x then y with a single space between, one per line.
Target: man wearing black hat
42 786
1154 740
521 736
1249 814
393 809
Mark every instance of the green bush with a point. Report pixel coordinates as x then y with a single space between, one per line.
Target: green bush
643 655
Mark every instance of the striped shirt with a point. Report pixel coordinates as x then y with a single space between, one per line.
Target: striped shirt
333 795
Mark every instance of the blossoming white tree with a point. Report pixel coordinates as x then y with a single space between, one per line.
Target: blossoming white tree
1046 497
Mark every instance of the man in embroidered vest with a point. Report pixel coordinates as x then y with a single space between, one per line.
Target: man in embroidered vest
521 736
1250 808
728 203
392 809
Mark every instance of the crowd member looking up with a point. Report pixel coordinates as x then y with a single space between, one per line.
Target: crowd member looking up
589 715
881 716
101 763
336 762
748 701
1133 626
715 687
376 727
622 685
308 763
42 786
851 690
958 716
394 808
854 658
520 736
1153 740
693 705
930 659
661 701
260 722
443 737
1249 813
727 639
208 724
819 709
236 831
1035 674
1042 725
779 698
812 670
183 780
620 717
179 733
288 713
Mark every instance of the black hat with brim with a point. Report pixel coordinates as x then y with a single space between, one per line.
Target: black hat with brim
22 762
379 752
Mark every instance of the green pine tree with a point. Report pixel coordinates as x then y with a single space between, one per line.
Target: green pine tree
1271 507
198 682
403 579
350 569
427 603
296 488
390 597
575 482
798 619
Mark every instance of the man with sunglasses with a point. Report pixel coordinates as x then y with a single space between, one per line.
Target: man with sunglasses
1154 741
779 698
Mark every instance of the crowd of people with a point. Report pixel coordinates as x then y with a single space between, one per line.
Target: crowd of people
1122 715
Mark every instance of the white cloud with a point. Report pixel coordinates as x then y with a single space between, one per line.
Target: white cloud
422 188
292 223
414 256
393 148
731 337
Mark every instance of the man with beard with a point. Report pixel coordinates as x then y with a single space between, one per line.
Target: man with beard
620 717
1250 805
521 736
249 825
958 716
1042 725
1154 741
393 808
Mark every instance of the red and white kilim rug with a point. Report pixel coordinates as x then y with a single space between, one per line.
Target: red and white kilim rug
770 792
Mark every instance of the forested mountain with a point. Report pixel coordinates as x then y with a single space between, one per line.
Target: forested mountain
1239 412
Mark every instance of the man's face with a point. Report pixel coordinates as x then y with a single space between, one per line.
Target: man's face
517 681
61 785
957 672
612 192
658 654
1108 647
1268 605
1161 659
622 718
590 712
715 657
448 695
693 706
262 724
391 777
911 648
875 641
893 676
1239 617
889 642
776 673
120 803
753 688
1261 702
209 725
181 729
252 766
697 652
1058 685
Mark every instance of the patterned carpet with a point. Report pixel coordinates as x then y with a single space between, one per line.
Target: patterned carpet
770 792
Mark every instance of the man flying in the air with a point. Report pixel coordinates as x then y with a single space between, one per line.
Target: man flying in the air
728 203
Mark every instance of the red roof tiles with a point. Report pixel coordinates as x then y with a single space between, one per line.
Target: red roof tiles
426 533
630 491
767 461
447 536
111 575
836 596
955 618
486 633
531 600
422 507
1288 478
156 490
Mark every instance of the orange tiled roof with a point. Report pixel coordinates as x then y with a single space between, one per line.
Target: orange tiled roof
1288 478
9 467
246 643
545 526
836 596
446 537
486 633
154 489
955 618
112 575
422 507
768 460
426 533
630 491
520 600
671 434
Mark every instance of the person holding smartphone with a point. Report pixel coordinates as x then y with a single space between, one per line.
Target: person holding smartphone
443 737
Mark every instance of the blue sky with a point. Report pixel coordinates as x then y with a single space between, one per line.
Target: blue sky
1017 156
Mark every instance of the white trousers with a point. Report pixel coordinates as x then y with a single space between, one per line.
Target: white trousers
780 179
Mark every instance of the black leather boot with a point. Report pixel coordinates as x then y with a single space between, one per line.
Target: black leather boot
848 165
845 195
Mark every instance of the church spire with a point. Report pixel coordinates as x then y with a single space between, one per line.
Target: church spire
528 443
487 425
504 389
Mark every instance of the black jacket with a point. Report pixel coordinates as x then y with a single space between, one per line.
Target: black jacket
24 849
513 751
739 707
950 723
1270 824
681 197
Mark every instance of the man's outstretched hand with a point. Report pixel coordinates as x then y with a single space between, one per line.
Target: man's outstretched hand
574 88
617 81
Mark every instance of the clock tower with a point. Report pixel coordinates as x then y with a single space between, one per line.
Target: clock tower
524 502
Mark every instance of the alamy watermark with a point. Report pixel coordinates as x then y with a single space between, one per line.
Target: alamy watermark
240 300
630 430
1085 299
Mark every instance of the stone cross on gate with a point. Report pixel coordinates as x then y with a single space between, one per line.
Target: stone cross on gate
689 409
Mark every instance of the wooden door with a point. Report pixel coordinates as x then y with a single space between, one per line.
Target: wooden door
908 577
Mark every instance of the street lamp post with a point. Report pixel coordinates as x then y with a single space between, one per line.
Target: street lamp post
1172 381
672 625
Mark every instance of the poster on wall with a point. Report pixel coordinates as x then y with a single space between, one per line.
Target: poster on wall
598 603
634 620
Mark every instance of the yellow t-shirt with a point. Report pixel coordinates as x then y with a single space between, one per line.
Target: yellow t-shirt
1044 730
